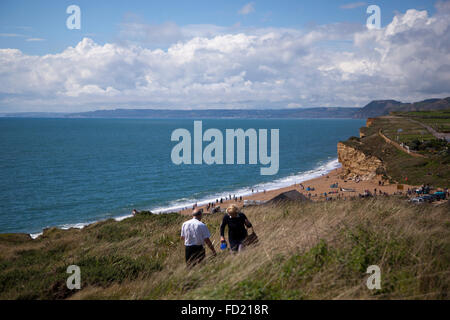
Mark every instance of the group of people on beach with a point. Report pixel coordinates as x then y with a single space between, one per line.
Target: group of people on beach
195 234
212 205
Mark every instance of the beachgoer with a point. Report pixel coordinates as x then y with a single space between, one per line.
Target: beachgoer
195 233
237 223
135 212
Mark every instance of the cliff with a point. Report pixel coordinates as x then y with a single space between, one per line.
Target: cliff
358 164
399 149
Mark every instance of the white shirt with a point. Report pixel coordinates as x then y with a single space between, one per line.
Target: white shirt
194 232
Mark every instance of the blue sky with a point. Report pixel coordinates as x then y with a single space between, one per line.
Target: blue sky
220 54
44 20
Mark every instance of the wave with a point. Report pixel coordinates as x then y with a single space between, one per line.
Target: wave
180 204
273 185
80 225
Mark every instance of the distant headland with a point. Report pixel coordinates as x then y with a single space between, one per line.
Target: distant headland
375 108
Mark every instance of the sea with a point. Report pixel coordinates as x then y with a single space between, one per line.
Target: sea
72 172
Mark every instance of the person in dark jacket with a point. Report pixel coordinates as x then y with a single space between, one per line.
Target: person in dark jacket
237 223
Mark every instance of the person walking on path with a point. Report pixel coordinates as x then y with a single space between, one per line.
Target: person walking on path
237 223
195 233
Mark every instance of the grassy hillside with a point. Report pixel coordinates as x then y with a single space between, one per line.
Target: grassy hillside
306 251
439 120
433 168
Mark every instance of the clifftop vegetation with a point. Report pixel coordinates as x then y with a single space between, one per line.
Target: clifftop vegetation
306 251
433 165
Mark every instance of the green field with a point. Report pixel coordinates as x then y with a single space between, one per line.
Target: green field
439 120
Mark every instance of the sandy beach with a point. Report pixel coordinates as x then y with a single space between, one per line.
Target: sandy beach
320 186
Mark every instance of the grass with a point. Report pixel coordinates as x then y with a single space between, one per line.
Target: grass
399 165
434 169
438 119
306 251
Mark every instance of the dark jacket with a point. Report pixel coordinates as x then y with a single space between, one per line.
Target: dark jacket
236 227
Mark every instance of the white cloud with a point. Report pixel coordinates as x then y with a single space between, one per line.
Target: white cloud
247 9
34 39
294 105
11 35
443 6
353 5
155 35
216 67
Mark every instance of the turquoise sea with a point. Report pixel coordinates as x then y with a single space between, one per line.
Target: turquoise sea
71 172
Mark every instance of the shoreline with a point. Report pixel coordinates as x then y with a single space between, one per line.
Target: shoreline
245 192
320 183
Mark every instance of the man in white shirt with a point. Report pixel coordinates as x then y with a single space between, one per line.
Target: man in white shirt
194 233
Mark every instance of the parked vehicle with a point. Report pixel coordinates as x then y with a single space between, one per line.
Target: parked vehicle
439 195
428 198
417 200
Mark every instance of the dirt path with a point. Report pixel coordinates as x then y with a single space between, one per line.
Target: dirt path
395 144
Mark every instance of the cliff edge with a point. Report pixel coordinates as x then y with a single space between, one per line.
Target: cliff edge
357 164
399 148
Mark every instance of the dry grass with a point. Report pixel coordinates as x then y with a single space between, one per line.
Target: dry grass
306 251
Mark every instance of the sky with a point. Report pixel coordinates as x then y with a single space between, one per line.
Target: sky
220 54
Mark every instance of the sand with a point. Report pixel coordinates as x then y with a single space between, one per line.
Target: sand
321 185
